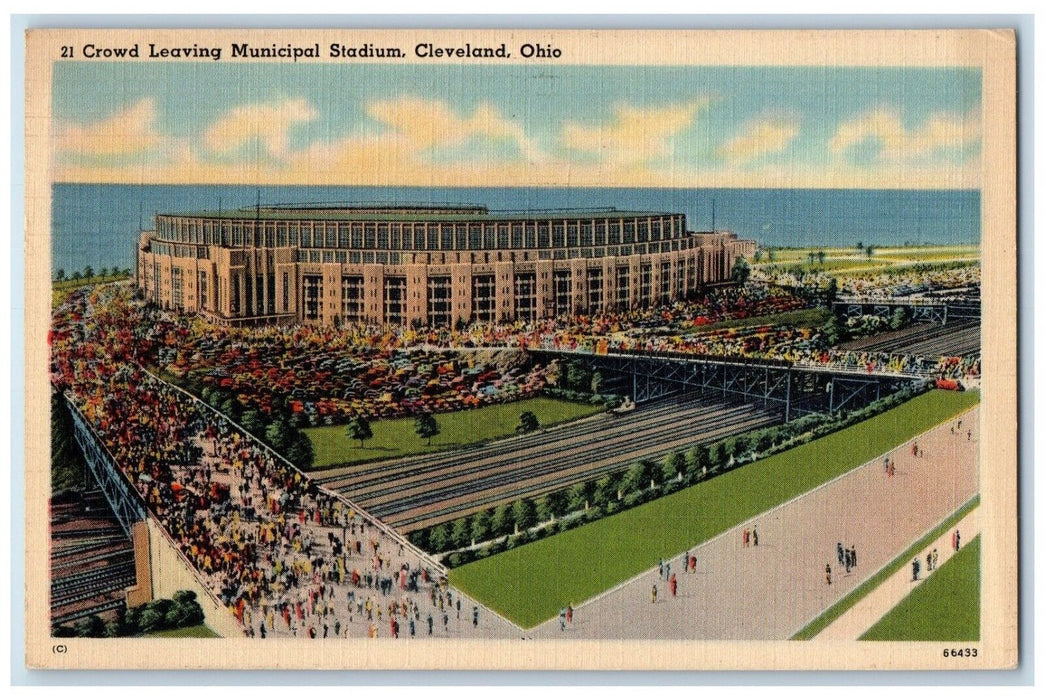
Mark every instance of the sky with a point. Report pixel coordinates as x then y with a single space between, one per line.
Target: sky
516 125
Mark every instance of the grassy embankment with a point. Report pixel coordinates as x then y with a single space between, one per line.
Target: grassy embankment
945 608
396 437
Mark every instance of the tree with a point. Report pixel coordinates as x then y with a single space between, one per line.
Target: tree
279 435
869 251
606 488
253 422
230 407
544 509
481 525
426 426
524 514
90 627
578 377
461 532
300 451
638 476
59 275
899 318
439 538
580 495
715 455
88 272
859 245
558 502
741 446
501 523
75 275
185 611
832 290
821 256
104 272
674 465
741 270
527 422
597 381
359 429
700 459
811 257
834 330
759 254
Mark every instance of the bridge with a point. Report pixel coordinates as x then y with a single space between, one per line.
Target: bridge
920 309
791 388
121 496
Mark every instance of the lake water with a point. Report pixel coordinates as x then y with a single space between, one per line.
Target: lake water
98 225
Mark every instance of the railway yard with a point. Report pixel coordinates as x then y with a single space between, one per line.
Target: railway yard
413 493
950 340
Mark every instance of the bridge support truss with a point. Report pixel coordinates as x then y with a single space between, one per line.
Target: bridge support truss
122 498
794 391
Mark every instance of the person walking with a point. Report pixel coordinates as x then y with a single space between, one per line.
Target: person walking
674 586
841 555
754 536
569 614
653 594
957 540
475 616
562 619
915 568
827 573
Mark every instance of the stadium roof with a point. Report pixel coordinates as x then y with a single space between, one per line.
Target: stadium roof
409 212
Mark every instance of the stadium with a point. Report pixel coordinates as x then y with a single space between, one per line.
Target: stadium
424 264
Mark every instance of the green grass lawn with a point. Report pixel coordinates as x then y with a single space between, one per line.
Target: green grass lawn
395 438
860 592
802 318
945 608
530 583
196 632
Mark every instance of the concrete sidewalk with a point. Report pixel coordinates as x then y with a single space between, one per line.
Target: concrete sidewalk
862 616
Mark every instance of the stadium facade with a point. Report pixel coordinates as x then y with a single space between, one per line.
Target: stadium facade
424 264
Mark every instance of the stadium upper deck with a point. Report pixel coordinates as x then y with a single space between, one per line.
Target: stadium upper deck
427 264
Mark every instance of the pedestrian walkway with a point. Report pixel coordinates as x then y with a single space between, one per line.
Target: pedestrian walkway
772 590
862 616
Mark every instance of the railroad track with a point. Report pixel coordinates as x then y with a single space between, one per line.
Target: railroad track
426 490
64 584
951 340
409 520
86 612
383 472
555 456
93 589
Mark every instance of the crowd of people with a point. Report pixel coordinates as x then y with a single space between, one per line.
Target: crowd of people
881 282
285 558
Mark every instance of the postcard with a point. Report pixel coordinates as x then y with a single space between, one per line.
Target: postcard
520 349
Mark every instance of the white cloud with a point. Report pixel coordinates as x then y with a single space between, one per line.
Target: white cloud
636 135
266 124
758 139
884 127
129 132
426 124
